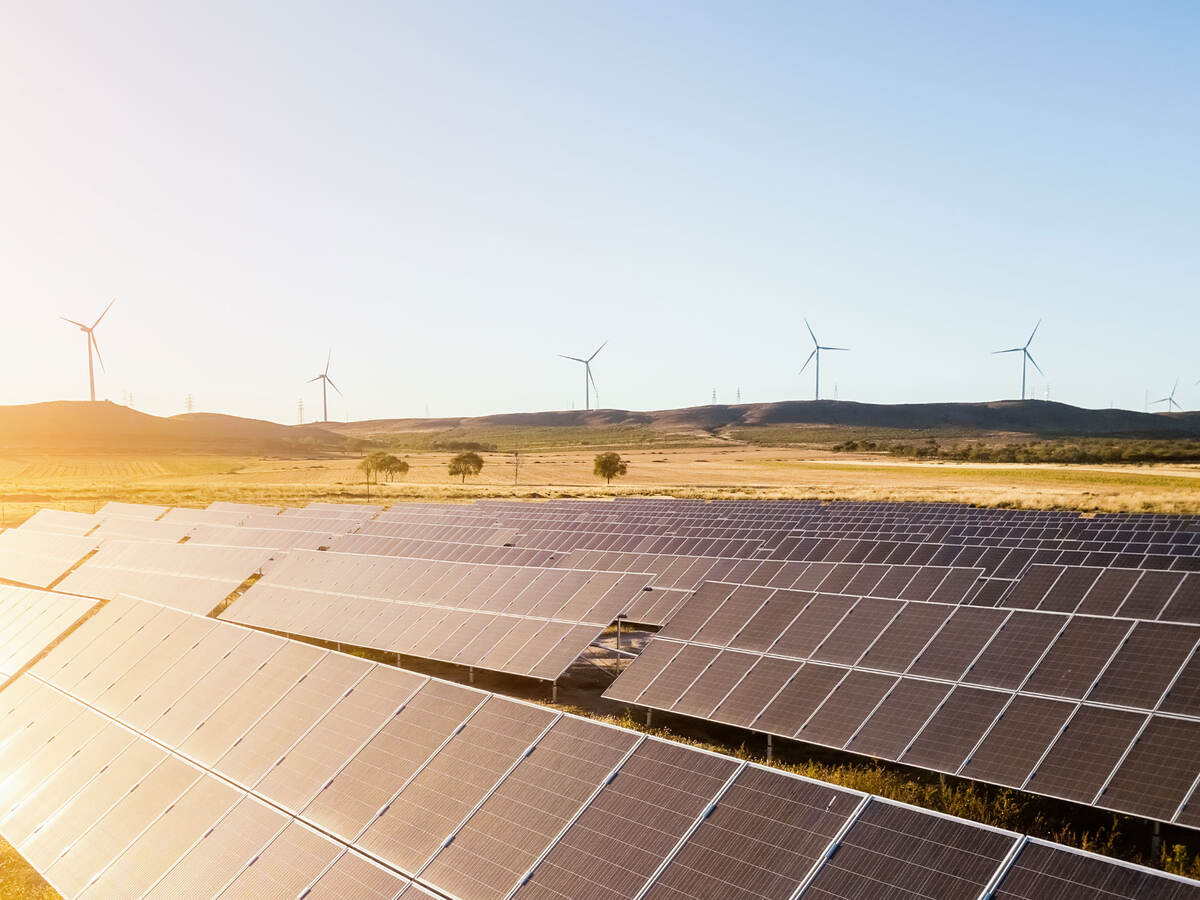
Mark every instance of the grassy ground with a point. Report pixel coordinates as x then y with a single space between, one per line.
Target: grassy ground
719 471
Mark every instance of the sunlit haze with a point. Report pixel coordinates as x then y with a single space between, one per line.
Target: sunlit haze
449 195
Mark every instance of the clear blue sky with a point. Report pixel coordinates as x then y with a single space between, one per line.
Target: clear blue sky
449 194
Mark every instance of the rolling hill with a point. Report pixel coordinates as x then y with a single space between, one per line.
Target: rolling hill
81 427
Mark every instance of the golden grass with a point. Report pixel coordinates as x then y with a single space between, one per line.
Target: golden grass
715 472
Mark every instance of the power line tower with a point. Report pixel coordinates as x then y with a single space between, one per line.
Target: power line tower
739 395
714 399
300 411
189 403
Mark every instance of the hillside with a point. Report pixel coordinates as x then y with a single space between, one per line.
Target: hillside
1030 418
80 427
104 427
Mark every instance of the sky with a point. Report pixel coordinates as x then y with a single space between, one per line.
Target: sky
447 195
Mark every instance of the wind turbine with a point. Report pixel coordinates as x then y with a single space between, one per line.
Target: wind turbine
326 382
816 354
1026 356
589 383
1170 400
92 345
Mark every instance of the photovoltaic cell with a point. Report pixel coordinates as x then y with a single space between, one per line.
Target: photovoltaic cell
966 632
429 809
765 834
1157 775
674 681
711 687
948 738
1045 870
811 627
519 822
349 801
1077 657
1086 753
1017 741
328 746
755 691
895 852
899 717
1016 648
286 866
1145 665
222 852
857 631
631 826
798 699
157 848
903 639
356 876
846 708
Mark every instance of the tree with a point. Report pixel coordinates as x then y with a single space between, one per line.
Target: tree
391 466
610 465
469 463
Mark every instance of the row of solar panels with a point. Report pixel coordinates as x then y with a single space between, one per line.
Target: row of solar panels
154 753
1098 710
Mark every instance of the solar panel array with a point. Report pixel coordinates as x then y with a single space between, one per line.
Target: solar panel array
1098 710
186 576
30 620
40 558
158 754
522 620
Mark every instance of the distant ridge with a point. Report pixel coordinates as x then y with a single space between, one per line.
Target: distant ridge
81 427
104 427
1030 417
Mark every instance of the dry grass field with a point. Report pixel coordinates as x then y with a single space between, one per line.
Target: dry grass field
722 471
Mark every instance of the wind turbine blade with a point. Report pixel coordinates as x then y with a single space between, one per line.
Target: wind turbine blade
92 338
592 379
329 381
318 378
598 349
806 362
1175 388
1035 328
327 359
835 348
810 333
1013 350
73 322
575 358
1034 361
105 313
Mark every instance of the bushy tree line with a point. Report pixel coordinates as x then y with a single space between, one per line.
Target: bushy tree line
1059 451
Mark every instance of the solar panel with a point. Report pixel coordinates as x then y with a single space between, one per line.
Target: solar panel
188 577
444 793
632 825
1017 741
40 558
761 839
1091 744
350 801
891 852
294 859
511 830
1048 870
1159 772
30 620
354 875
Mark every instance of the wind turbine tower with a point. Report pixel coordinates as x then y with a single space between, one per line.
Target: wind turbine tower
589 383
816 354
326 383
90 331
1026 356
